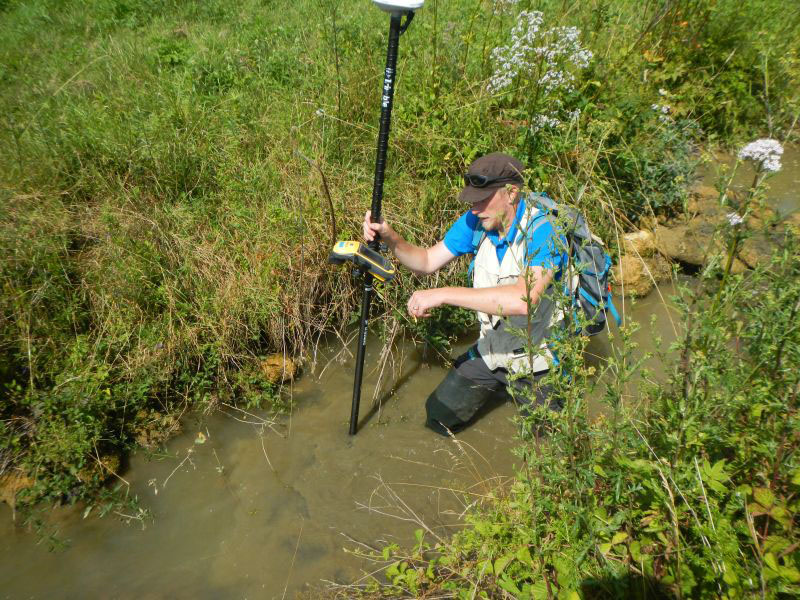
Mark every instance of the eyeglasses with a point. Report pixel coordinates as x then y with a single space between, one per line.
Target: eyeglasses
481 181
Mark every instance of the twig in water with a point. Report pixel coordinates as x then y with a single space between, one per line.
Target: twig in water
294 556
188 457
264 448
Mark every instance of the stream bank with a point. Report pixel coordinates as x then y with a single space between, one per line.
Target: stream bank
240 505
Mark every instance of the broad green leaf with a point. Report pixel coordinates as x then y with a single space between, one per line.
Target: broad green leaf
604 548
780 515
790 573
716 486
619 537
562 566
718 471
419 534
729 575
599 470
524 556
764 497
508 585
769 559
539 591
796 477
501 563
636 550
485 566
393 570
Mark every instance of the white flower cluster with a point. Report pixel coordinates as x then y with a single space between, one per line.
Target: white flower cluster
505 6
663 110
543 53
765 152
549 57
544 121
734 219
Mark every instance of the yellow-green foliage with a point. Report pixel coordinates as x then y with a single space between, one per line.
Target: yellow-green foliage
160 226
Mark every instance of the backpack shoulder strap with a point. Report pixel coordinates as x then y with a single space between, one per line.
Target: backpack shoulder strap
477 239
545 202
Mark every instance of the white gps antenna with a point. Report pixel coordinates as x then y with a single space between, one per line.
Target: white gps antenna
399 6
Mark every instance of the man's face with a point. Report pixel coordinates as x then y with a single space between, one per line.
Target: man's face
496 212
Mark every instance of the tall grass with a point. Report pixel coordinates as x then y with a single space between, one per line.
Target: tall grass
161 229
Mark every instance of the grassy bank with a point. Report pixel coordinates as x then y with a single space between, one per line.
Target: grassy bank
163 220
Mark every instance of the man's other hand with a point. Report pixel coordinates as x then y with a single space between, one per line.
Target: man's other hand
422 301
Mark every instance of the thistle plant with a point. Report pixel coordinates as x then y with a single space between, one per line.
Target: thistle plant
540 64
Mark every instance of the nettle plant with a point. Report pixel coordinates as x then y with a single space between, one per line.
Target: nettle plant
539 70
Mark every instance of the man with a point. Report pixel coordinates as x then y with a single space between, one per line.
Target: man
517 257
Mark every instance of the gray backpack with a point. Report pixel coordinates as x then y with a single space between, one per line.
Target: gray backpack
588 265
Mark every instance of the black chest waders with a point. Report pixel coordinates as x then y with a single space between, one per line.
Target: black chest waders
398 9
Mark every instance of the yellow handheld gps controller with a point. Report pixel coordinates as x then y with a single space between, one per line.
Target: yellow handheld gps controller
363 257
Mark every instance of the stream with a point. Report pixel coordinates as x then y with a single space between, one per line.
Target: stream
257 511
265 511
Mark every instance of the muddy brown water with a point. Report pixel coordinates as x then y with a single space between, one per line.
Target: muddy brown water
260 512
253 512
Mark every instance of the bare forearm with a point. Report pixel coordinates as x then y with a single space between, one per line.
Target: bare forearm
504 300
413 257
420 260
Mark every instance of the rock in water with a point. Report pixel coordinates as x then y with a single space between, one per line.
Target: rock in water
639 243
635 276
278 368
10 485
695 243
757 250
675 243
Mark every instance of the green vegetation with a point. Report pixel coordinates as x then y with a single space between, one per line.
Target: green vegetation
685 487
162 227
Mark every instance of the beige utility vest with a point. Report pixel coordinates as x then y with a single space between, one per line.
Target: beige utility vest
498 345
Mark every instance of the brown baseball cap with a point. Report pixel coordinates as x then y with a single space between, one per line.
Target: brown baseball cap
489 173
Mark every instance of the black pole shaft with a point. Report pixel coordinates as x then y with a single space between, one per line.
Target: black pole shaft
377 196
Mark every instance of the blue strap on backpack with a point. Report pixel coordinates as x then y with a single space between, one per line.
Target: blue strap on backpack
591 296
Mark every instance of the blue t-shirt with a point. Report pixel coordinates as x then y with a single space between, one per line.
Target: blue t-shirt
545 248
